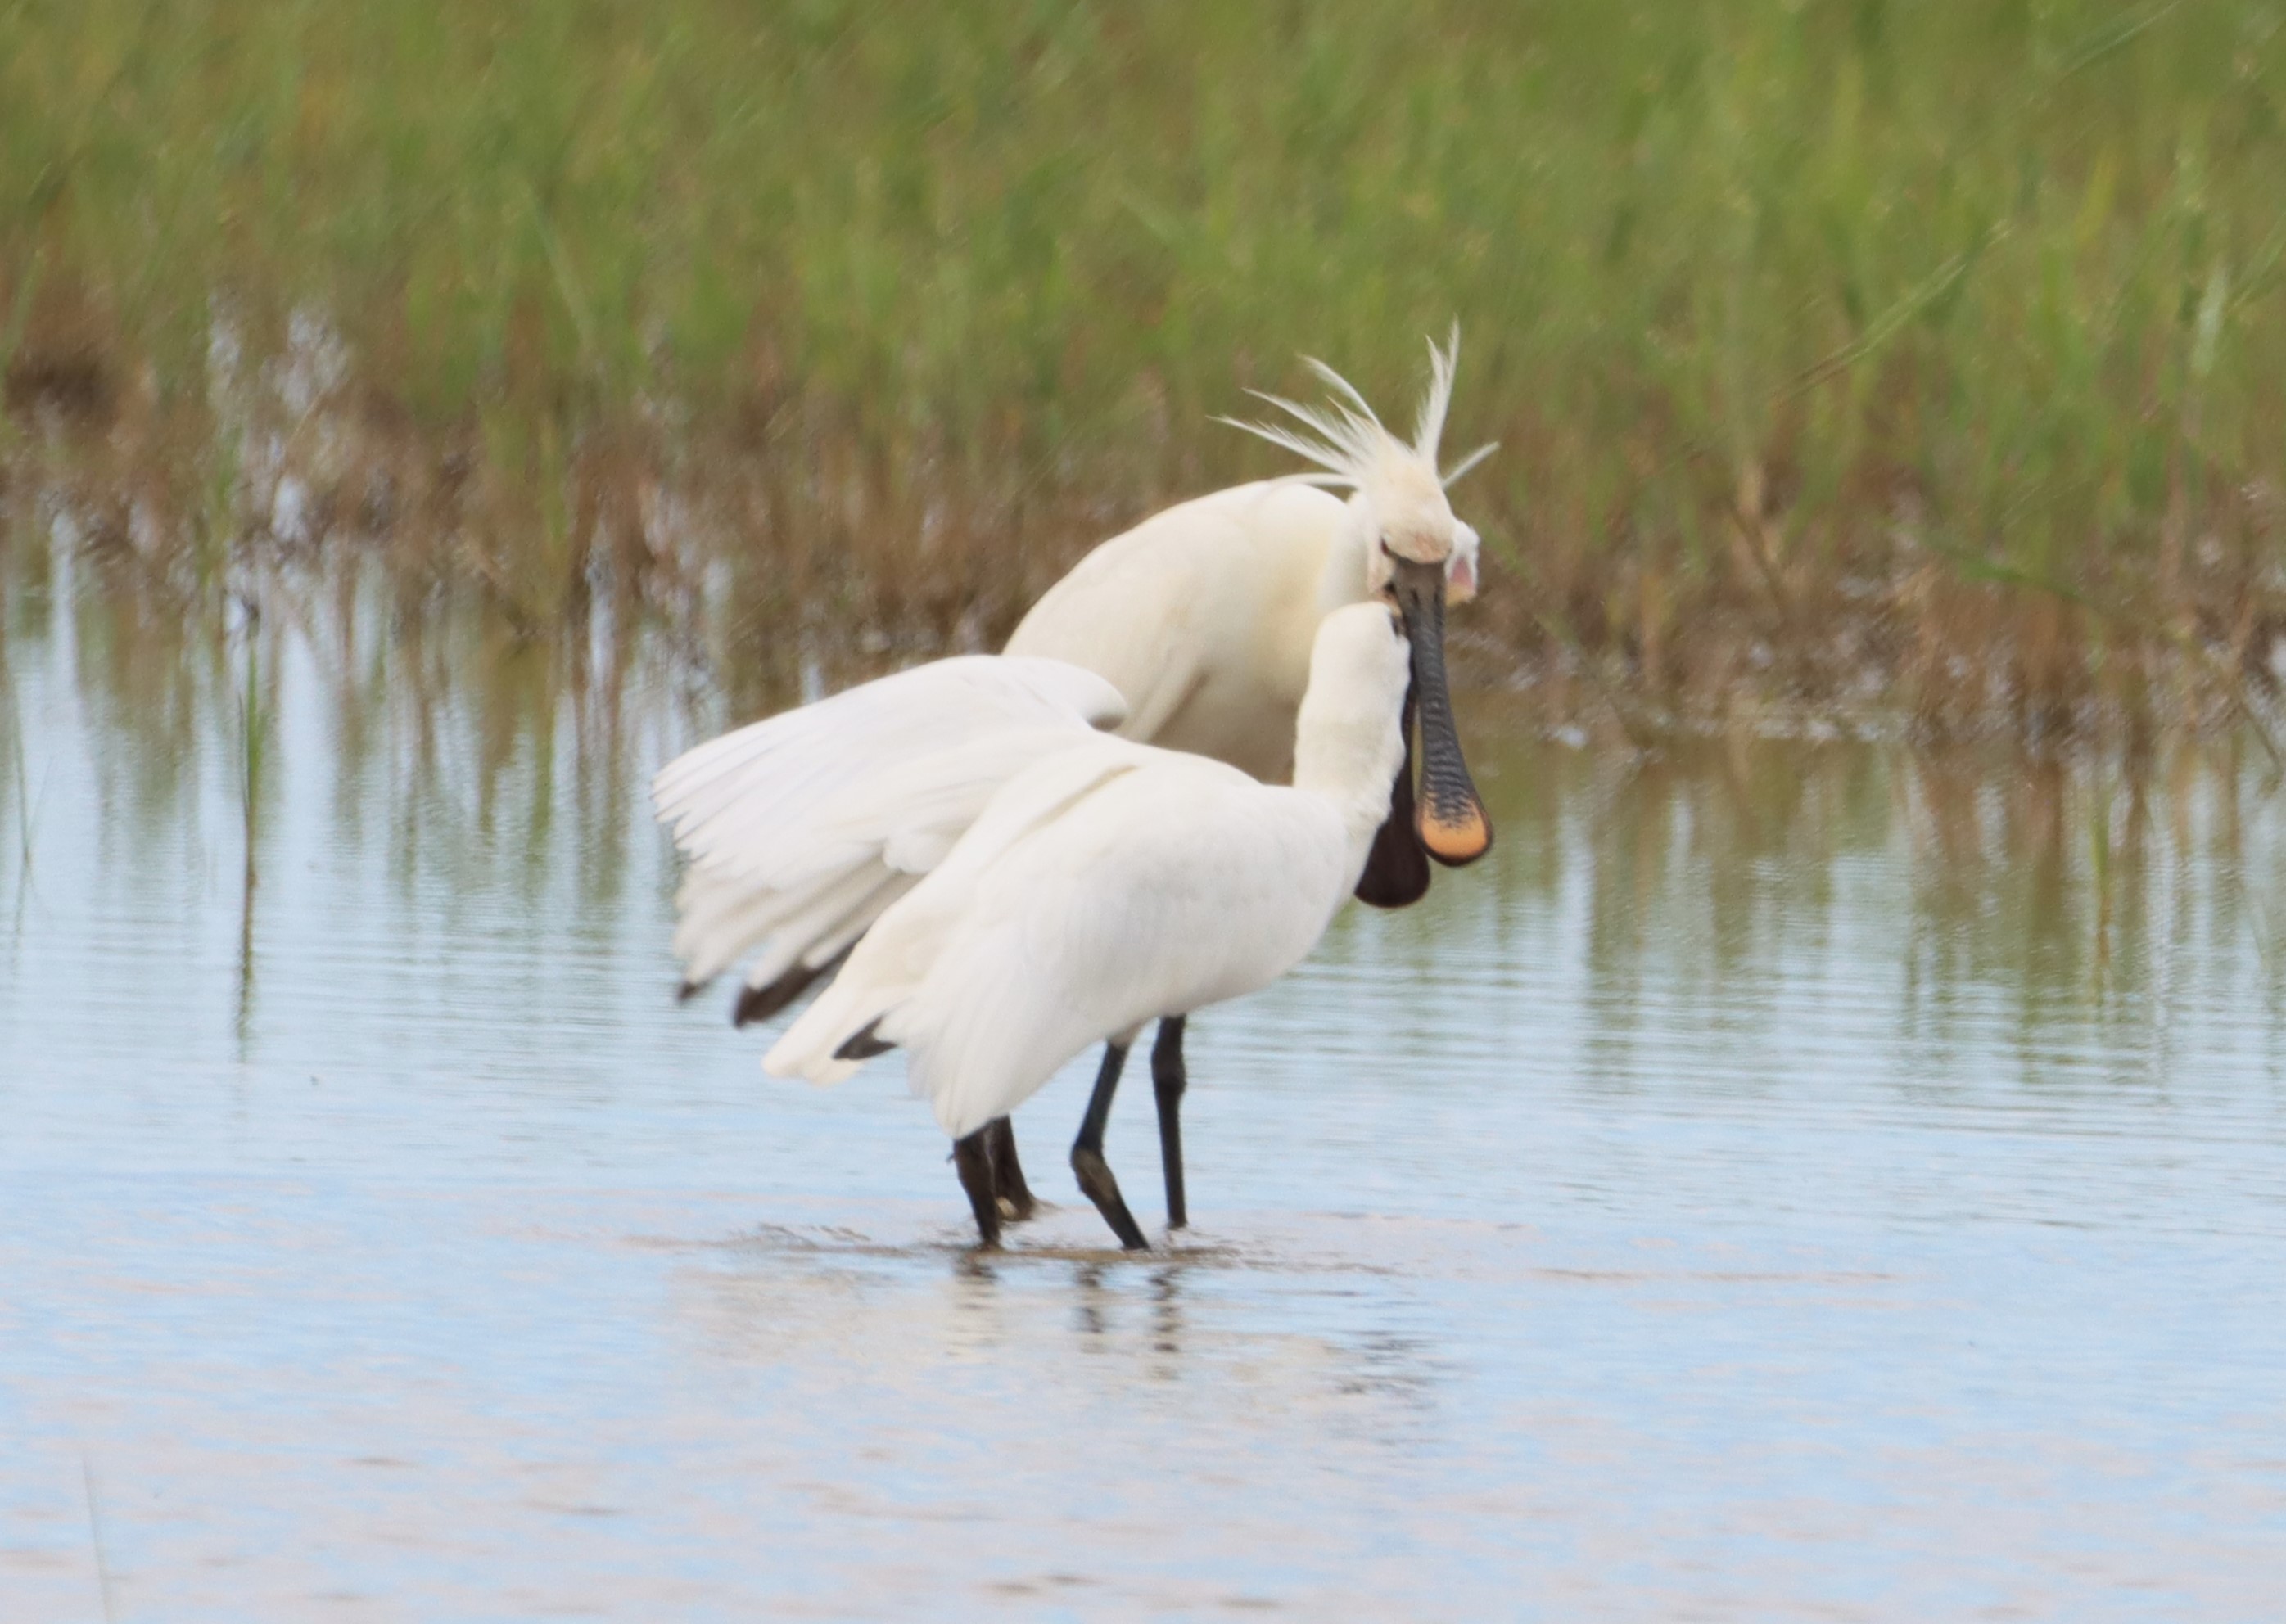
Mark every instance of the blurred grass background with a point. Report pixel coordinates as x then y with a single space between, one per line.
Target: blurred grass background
1929 357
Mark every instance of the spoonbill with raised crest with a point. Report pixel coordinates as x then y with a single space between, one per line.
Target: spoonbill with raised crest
802 828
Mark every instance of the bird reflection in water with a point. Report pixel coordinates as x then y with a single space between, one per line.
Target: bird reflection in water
1094 1306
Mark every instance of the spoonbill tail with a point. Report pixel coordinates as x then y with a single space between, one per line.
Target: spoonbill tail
1110 884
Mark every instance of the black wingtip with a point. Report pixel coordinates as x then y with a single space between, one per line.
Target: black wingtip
864 1044
759 1003
688 990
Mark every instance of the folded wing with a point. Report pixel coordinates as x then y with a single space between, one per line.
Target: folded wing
1109 886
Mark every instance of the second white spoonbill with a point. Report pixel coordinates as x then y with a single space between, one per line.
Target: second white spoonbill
1110 885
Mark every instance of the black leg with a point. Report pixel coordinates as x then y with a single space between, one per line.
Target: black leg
1167 1083
1013 1195
1087 1161
973 1155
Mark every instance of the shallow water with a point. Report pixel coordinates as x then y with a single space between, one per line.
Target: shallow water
1789 1180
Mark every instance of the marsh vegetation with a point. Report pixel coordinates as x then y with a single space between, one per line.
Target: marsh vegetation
1847 357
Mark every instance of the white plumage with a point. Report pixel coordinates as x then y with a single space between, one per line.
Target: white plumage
802 827
1009 884
1115 883
1202 615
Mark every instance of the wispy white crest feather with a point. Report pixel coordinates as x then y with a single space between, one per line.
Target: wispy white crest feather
1345 436
1430 425
1452 475
1347 446
1342 385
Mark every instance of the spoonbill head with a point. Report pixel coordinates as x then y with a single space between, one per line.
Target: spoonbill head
1399 535
1204 616
1397 510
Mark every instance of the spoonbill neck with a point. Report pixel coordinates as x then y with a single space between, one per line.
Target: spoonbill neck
1349 545
1349 740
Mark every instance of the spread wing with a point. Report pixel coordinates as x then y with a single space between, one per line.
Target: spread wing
802 827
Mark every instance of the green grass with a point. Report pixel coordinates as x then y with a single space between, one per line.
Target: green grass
1956 332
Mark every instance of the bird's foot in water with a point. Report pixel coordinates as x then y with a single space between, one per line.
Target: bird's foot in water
1010 1194
1096 1182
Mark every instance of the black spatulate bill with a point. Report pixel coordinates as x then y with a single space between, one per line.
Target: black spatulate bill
1450 819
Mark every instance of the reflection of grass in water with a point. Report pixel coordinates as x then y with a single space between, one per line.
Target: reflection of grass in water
18 781
459 757
2081 888
253 741
2099 869
1751 292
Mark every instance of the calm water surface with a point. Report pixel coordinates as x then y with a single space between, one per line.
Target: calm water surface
1788 1181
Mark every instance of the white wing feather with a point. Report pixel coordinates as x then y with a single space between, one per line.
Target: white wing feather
802 827
1091 896
891 962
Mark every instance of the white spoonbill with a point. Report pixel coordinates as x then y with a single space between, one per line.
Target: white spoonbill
1111 885
1203 615
1201 618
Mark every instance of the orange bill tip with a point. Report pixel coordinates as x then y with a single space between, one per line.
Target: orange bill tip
1455 838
